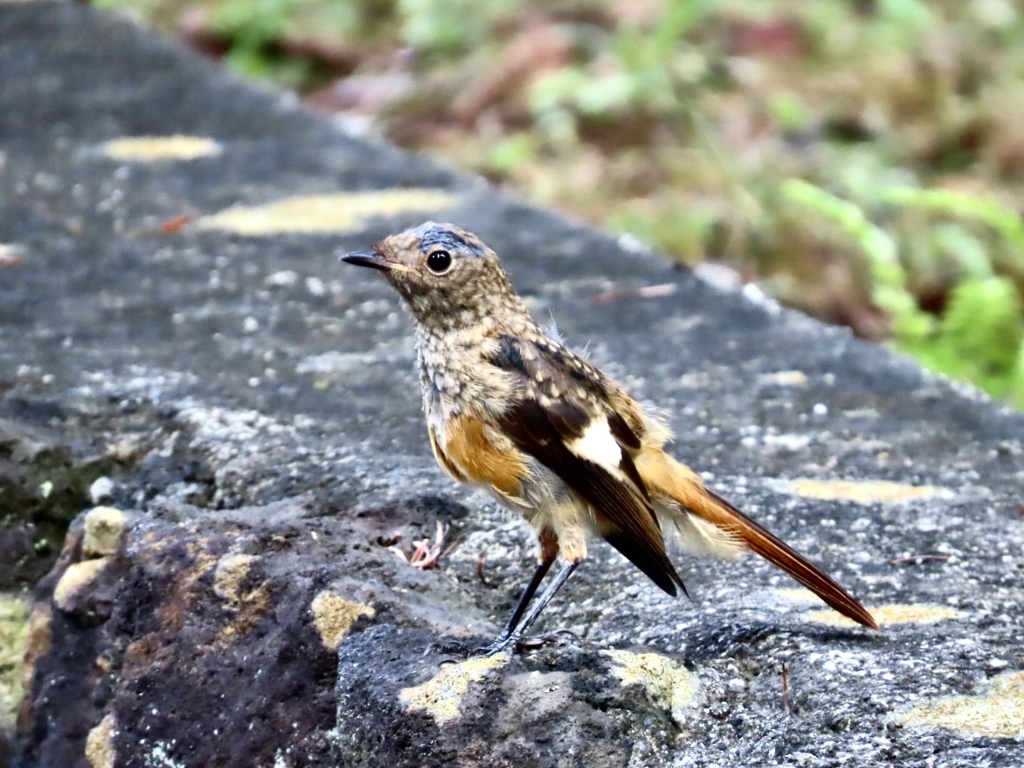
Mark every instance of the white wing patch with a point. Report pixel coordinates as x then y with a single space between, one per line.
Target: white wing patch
598 445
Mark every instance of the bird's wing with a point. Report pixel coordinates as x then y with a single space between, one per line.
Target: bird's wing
561 417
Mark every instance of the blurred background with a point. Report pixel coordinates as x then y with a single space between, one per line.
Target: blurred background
862 161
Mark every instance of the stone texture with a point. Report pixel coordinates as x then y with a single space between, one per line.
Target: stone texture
186 659
255 407
201 625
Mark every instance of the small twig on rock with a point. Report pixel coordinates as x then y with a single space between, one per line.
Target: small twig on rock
452 547
480 570
785 688
175 223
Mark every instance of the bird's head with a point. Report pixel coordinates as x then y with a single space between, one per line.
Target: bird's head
447 276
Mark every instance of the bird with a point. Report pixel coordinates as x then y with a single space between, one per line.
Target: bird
512 410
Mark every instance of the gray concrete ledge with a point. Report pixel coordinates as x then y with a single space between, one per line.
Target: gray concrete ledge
173 319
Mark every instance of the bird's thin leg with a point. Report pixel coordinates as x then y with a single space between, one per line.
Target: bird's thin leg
560 578
509 640
525 598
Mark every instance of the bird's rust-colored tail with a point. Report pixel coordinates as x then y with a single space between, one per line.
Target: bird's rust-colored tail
667 478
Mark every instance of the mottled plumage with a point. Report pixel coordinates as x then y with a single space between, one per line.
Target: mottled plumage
513 411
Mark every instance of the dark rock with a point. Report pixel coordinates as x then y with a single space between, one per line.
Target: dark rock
558 707
200 637
205 639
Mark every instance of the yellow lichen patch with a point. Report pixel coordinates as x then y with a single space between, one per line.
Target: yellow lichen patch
861 491
151 149
668 682
229 575
13 638
77 577
249 612
333 617
325 214
99 743
103 529
890 614
441 696
248 605
998 711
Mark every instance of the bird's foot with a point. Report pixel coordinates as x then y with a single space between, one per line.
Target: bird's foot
452 651
503 644
515 642
546 639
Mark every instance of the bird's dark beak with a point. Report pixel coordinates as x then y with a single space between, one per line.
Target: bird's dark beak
373 259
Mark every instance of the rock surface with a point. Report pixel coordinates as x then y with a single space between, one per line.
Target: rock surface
177 323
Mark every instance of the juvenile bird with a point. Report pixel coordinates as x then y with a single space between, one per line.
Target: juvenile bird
513 411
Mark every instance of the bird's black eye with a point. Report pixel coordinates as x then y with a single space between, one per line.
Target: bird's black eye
439 261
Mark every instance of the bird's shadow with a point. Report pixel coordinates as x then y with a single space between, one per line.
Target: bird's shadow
709 642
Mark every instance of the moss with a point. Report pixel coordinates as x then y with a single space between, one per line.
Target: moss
55 485
13 635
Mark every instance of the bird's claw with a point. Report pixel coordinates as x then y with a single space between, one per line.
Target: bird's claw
546 638
450 651
516 642
508 644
